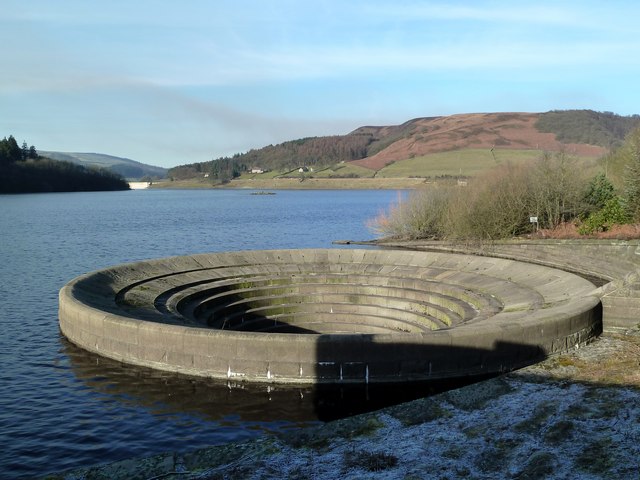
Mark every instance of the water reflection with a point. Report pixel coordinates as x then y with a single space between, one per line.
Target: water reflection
166 393
269 406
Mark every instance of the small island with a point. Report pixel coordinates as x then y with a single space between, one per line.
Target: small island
263 192
22 170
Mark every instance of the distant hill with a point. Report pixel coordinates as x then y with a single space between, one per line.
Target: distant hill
125 167
22 170
584 133
46 175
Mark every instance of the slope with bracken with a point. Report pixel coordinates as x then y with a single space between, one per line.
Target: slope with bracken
369 150
424 136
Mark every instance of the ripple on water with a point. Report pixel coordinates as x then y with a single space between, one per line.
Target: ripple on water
61 409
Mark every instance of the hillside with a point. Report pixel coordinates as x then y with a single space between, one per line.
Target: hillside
514 131
125 167
424 146
586 126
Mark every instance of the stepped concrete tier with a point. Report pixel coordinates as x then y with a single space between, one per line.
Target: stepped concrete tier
613 264
329 316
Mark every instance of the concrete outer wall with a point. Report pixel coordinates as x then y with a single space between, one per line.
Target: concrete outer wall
91 318
616 262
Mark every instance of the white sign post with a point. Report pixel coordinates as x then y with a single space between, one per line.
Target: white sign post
534 220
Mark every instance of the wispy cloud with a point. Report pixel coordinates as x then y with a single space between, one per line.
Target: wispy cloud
226 76
399 37
546 13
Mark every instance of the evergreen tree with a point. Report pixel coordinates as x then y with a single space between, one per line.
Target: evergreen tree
631 153
10 151
599 191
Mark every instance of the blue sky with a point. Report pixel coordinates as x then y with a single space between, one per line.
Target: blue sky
171 82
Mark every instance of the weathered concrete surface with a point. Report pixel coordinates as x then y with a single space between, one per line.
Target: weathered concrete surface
615 262
385 315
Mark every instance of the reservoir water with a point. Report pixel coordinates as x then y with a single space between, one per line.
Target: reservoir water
64 408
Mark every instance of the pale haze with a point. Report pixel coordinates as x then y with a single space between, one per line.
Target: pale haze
168 82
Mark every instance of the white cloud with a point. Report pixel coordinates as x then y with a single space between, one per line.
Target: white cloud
359 40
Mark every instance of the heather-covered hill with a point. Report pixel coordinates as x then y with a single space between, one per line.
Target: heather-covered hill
514 131
583 133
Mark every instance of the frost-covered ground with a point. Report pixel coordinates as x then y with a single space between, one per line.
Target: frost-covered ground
572 416
512 428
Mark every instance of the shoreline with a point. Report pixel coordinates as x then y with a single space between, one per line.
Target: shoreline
574 413
296 184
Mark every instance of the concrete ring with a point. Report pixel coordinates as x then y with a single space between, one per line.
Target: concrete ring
330 315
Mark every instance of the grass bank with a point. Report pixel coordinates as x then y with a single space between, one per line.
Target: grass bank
467 162
296 184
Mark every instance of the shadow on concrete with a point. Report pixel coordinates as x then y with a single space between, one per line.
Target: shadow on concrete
433 369
166 393
584 427
236 313
357 374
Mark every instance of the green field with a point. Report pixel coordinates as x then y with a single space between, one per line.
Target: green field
456 162
266 175
413 171
343 170
340 170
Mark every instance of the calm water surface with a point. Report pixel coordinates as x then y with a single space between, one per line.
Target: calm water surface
61 407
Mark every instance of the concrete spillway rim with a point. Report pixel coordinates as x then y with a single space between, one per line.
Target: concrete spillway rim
108 332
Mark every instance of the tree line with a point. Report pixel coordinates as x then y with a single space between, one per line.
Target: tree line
10 152
22 170
605 129
305 152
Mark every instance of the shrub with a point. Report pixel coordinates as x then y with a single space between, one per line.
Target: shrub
613 213
557 187
420 216
493 206
496 205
